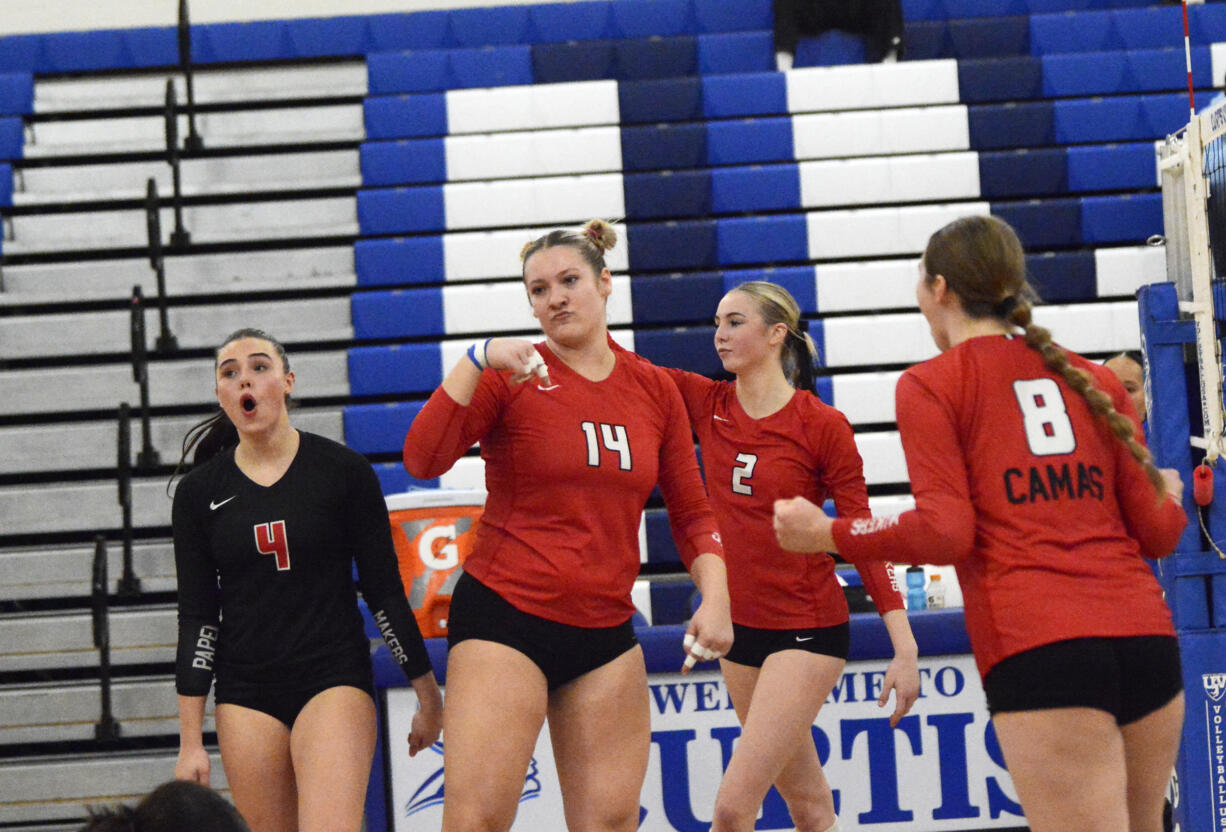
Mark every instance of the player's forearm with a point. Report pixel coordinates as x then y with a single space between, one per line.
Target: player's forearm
898 628
191 721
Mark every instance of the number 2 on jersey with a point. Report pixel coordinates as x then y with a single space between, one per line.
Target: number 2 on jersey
742 473
614 438
1045 417
271 539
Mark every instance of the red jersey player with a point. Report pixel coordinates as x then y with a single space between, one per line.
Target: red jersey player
540 623
763 437
1030 476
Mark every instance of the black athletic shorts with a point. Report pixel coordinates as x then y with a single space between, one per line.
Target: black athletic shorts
1127 677
751 645
285 701
562 652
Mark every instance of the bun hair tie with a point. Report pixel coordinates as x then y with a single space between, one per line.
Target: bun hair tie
1005 308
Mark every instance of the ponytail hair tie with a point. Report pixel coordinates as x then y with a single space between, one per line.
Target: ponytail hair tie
1005 308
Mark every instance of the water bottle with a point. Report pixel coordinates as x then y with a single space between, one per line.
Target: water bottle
936 593
917 599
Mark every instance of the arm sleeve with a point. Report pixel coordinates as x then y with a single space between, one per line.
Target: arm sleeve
199 605
695 391
842 474
941 527
689 514
379 574
444 430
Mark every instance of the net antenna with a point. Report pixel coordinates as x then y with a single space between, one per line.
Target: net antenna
1192 168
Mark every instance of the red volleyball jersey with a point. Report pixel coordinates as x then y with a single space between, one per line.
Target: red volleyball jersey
806 449
569 467
1043 512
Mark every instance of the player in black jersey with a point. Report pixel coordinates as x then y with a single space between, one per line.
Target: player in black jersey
267 527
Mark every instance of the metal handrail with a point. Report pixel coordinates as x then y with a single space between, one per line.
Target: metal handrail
166 341
129 584
106 729
193 143
180 237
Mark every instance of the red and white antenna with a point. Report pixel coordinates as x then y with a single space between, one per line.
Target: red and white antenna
1187 54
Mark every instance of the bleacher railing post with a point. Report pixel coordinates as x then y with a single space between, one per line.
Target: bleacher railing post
148 455
106 729
193 143
129 584
180 237
166 341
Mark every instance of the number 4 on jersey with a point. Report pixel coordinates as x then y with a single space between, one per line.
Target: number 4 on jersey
1045 417
270 539
614 439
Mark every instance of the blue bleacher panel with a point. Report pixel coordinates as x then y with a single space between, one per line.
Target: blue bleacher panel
405 116
651 18
6 184
1037 172
16 93
660 545
1206 24
1111 167
690 348
423 70
745 141
489 26
561 22
801 281
674 298
1060 277
671 245
256 40
401 210
21 53
733 15
1025 124
1125 218
311 37
393 479
379 428
1015 78
640 59
400 260
419 30
408 313
1153 27
674 99
433 70
973 37
1130 118
832 48
664 146
403 162
1046 223
12 138
767 239
670 602
1104 73
573 61
817 333
749 94
770 188
82 51
408 368
926 39
657 195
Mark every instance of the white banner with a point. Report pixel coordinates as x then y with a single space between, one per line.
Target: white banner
940 769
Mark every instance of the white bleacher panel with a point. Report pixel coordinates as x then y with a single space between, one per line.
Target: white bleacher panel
91 445
623 337
874 232
66 571
504 307
871 86
875 284
212 175
62 390
84 333
640 594
483 255
138 636
279 219
1092 327
889 179
535 153
877 339
1121 271
888 506
81 507
468 472
926 129
304 268
865 398
535 107
934 176
883 458
880 132
1217 61
60 787
566 199
282 125
209 86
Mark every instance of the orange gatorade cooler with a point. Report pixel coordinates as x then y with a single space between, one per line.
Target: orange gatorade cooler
433 530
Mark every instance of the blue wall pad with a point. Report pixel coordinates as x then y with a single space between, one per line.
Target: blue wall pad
989 37
405 116
664 146
998 126
675 99
751 94
771 239
258 40
1063 276
1111 167
733 15
1013 173
675 298
403 162
800 281
648 18
689 348
668 194
561 22
393 479
408 368
12 138
419 30
16 93
401 210
641 59
770 188
397 261
671 245
379 428
831 48
745 141
397 314
1043 223
489 26
573 61
321 36
1000 79
1127 218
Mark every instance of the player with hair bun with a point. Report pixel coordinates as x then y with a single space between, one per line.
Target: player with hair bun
575 433
1030 476
764 436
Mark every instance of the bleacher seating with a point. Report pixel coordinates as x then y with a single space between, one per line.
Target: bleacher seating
368 182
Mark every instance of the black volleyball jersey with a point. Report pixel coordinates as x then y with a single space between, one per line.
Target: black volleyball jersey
266 589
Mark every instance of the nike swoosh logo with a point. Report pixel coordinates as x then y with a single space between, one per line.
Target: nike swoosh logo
214 506
550 387
810 638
